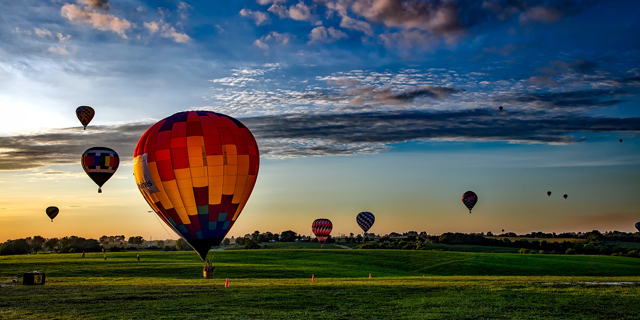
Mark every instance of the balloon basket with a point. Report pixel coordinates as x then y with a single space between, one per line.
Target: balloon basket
207 274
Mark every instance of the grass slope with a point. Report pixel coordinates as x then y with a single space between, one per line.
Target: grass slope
275 284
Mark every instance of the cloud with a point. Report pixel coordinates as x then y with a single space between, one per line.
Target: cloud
273 37
167 31
542 14
358 25
265 2
96 4
300 12
504 51
324 35
100 21
371 95
570 100
309 134
260 18
42 32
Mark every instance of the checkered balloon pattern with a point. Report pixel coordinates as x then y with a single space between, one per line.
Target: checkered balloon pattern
100 164
469 199
365 220
322 229
196 170
85 114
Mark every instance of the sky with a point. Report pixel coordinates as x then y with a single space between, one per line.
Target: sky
387 106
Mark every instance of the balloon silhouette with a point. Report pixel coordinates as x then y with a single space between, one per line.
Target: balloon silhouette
469 199
100 164
322 229
638 226
196 170
549 193
365 220
85 114
620 140
500 108
565 196
52 212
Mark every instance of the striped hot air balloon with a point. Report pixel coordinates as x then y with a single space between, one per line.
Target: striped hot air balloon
322 229
52 212
196 170
469 199
365 220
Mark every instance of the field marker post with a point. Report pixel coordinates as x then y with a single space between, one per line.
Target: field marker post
226 283
313 277
369 275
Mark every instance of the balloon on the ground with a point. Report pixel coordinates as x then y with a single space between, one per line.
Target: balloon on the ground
365 220
469 199
196 170
549 193
322 229
565 196
100 164
85 114
52 212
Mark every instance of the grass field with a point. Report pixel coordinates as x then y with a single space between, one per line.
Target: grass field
276 284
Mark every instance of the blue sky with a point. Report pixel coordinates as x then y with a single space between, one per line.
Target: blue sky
386 106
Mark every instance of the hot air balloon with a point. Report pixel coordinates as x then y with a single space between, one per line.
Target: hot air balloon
365 220
100 164
638 226
85 114
469 199
500 108
565 196
52 212
549 193
620 140
322 229
196 170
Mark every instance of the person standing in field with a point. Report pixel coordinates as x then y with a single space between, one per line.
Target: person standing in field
83 254
138 256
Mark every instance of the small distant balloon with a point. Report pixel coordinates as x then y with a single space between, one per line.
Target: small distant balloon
52 212
502 230
100 164
85 114
500 108
322 229
620 140
365 220
565 196
638 226
549 193
469 199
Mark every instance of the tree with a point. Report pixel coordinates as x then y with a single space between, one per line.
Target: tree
182 245
51 244
136 240
359 238
240 241
36 243
103 240
288 236
226 242
250 244
19 246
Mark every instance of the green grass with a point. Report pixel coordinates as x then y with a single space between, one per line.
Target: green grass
276 284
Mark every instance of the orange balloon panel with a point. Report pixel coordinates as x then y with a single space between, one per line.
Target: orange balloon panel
196 170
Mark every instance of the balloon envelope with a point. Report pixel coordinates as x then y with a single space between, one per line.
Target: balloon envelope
365 220
322 229
565 196
196 170
52 212
549 193
469 199
85 114
500 108
638 226
100 164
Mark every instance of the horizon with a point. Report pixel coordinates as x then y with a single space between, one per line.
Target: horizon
388 109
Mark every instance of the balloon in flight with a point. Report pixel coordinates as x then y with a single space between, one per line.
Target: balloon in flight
565 196
500 108
549 193
638 226
85 114
469 199
365 220
52 212
100 164
620 140
322 229
196 170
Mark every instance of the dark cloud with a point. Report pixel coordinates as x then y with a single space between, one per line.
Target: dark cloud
97 4
571 100
295 135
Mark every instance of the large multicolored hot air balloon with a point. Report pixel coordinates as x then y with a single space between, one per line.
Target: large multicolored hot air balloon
100 164
638 226
322 229
52 212
85 114
469 199
196 170
365 220
549 193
